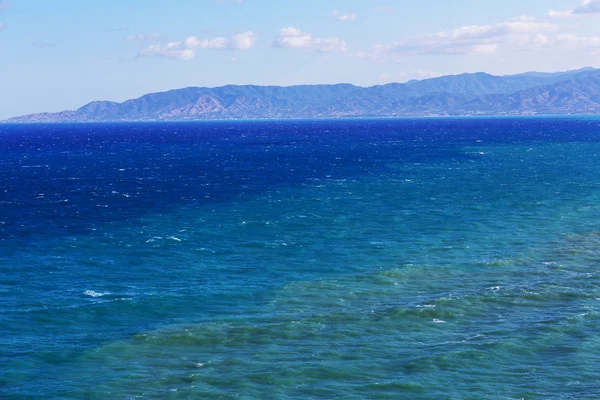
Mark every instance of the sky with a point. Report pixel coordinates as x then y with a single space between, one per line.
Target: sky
61 54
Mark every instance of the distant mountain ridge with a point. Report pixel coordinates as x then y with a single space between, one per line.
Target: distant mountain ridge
571 92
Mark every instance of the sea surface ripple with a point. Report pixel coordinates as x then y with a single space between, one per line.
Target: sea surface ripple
354 259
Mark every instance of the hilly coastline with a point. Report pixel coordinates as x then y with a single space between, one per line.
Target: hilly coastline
571 92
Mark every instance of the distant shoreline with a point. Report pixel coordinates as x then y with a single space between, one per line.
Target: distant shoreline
466 95
315 119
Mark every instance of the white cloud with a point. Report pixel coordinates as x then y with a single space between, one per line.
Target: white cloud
243 41
192 42
418 74
520 34
472 39
483 48
186 49
172 50
521 25
290 38
588 7
560 14
340 16
573 41
541 39
385 78
331 45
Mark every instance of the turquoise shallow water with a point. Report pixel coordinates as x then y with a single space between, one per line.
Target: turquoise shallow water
335 259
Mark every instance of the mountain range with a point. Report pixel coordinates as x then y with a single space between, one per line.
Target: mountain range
532 93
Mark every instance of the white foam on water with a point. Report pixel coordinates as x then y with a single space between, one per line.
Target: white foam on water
438 321
91 293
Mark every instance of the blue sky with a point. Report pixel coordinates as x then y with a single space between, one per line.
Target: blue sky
61 54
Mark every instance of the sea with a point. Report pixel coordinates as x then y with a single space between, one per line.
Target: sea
432 258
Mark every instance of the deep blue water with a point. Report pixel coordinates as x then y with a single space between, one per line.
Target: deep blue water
417 259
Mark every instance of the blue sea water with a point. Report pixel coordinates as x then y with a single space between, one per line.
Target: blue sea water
357 259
